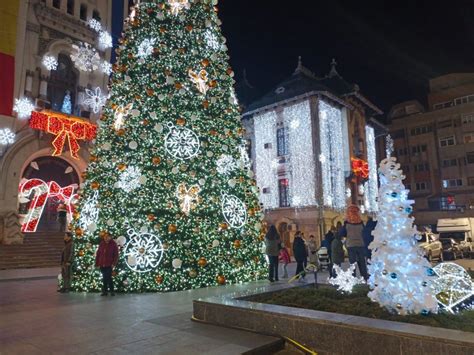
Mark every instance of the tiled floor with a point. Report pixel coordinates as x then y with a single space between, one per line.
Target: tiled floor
35 319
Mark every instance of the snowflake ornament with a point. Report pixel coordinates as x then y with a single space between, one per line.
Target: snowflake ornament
85 57
200 80
130 179
95 100
178 5
106 67
23 107
94 24
182 143
212 40
345 280
6 136
145 48
234 211
89 212
105 40
143 252
50 62
226 164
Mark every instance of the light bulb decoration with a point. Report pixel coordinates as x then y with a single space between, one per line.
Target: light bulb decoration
345 279
188 197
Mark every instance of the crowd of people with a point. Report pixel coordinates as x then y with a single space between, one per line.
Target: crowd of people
353 235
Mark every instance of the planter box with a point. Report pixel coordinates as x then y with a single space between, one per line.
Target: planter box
330 332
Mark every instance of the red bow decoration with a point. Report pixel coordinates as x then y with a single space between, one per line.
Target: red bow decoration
360 168
63 193
64 128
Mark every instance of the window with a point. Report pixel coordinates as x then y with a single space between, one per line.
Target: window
57 4
447 141
443 105
282 141
70 7
447 203
470 157
464 100
469 138
422 167
96 15
468 118
470 181
422 186
83 12
402 151
283 192
418 149
449 162
452 183
420 130
400 133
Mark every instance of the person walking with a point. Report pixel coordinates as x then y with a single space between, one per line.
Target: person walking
285 259
337 254
62 217
312 250
67 257
106 259
272 246
300 254
353 231
368 237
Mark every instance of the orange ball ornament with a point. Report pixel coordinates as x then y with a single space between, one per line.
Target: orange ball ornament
172 228
121 132
121 167
78 232
181 122
159 279
95 185
237 244
223 226
81 252
151 217
202 262
156 160
205 62
221 280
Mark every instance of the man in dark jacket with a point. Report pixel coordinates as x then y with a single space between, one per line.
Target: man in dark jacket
67 257
106 259
300 253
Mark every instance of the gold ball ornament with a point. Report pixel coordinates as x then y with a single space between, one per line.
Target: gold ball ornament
223 226
159 279
95 185
181 121
172 228
237 244
151 217
221 280
202 262
121 167
81 252
79 232
193 273
156 160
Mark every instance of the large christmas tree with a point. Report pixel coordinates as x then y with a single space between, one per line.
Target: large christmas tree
169 176
400 276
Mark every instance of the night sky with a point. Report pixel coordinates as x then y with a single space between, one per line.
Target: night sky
389 48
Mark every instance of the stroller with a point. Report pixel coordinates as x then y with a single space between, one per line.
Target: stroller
323 258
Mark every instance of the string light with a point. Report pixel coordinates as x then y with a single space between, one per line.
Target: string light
6 136
345 279
265 146
182 142
130 179
105 40
94 24
302 179
143 252
371 191
89 212
85 57
145 48
234 211
50 62
332 156
95 100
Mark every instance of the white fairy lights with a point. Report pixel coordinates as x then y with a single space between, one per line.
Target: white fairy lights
23 107
6 136
94 24
345 280
371 191
265 147
212 40
105 40
50 62
106 67
301 163
130 179
332 156
95 100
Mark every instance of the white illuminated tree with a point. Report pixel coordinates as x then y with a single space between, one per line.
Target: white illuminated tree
400 276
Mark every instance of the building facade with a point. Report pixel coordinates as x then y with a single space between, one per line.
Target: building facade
312 142
39 47
435 146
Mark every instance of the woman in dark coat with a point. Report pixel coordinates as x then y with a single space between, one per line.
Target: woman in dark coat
272 249
300 253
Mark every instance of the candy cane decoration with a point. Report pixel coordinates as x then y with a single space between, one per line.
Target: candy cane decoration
43 191
35 210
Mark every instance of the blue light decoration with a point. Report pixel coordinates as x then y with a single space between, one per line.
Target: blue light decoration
67 105
393 275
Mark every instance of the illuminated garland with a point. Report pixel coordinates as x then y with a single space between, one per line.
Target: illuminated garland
372 189
64 127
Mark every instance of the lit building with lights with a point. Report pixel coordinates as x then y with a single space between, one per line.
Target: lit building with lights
42 72
435 146
313 145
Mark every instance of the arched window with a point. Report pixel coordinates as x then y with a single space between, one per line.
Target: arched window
62 80
83 12
70 7
57 4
